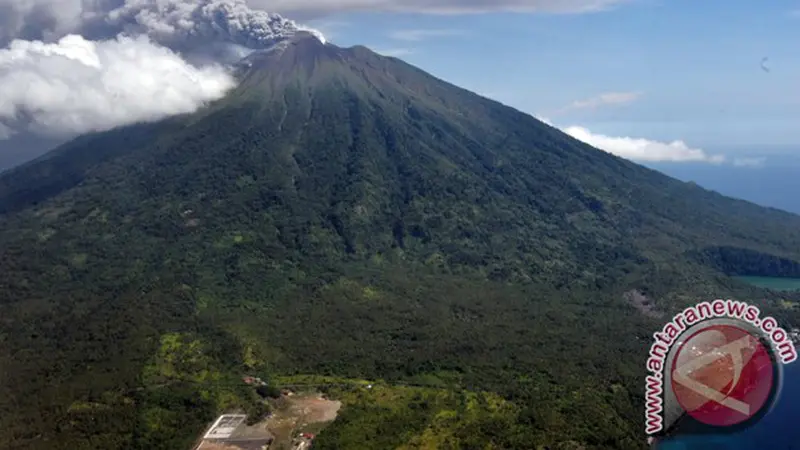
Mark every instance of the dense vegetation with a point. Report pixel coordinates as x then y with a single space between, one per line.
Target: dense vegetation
346 214
741 261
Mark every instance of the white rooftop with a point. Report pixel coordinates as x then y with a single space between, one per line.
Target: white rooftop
225 425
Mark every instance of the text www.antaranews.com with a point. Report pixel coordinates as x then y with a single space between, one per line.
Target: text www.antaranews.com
664 339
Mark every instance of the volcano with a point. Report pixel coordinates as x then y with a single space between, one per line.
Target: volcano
346 214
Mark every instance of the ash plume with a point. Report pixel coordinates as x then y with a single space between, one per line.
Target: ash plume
181 25
78 64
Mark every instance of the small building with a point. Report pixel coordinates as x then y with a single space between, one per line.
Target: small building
230 431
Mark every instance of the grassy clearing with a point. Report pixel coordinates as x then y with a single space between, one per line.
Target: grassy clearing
379 415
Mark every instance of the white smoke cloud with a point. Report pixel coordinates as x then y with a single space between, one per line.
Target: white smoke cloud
75 86
71 66
316 33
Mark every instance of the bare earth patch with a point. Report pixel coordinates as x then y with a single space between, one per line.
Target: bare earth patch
642 303
315 408
302 413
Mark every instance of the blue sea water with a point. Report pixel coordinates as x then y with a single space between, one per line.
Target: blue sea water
778 430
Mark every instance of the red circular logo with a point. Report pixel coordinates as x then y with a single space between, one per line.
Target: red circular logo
722 375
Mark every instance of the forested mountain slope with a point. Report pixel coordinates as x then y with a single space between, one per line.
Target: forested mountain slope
347 214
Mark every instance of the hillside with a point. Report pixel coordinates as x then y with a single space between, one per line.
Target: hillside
346 214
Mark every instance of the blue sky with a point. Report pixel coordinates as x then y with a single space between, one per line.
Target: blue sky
655 70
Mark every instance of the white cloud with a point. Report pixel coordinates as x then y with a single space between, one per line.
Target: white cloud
420 35
605 99
75 86
440 6
748 162
639 149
